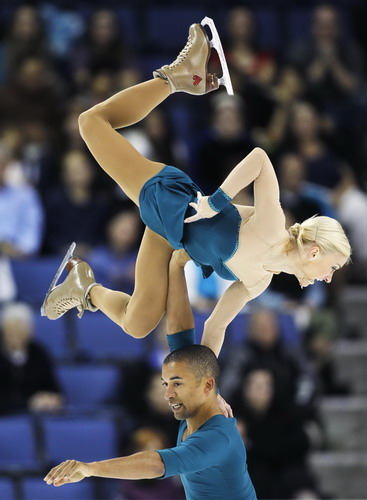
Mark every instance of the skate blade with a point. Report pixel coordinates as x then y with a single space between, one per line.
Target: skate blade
216 43
65 260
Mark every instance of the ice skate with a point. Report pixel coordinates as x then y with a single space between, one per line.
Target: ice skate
189 72
73 292
216 43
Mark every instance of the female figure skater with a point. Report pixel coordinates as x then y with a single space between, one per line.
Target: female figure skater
244 244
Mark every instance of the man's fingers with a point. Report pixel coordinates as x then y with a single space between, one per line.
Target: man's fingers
61 474
54 472
61 481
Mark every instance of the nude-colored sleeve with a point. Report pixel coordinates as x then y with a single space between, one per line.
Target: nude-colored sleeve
229 305
256 167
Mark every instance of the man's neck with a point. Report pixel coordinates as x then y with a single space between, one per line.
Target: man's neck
203 415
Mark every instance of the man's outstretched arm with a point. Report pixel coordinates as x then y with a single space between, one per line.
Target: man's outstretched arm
144 465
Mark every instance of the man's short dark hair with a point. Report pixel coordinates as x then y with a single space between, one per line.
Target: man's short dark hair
200 358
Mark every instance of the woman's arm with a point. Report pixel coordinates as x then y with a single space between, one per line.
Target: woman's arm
229 305
257 168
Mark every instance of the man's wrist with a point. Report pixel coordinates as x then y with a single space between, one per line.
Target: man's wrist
90 468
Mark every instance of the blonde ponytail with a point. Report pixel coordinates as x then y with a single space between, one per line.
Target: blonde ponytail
325 232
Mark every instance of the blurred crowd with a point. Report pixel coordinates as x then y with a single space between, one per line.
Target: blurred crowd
302 97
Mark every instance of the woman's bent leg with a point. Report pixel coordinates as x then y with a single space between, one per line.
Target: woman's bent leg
114 153
139 314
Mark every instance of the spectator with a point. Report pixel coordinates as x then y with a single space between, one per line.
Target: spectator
27 380
287 89
319 339
161 135
25 38
114 262
330 63
226 144
276 438
101 49
84 212
264 348
351 208
150 409
252 68
307 138
21 225
302 199
33 97
149 439
155 138
33 102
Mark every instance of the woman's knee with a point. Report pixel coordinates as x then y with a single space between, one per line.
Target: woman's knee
138 330
86 120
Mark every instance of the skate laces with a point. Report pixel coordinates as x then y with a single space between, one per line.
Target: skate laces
65 304
182 55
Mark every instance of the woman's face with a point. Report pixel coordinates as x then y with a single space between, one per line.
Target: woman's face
320 267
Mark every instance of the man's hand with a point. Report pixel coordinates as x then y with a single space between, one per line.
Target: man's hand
224 407
180 258
70 471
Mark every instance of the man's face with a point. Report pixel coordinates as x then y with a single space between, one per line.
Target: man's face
183 391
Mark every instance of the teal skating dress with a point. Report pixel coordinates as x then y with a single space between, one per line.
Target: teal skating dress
164 204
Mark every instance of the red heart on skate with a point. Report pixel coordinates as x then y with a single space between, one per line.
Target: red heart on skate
196 80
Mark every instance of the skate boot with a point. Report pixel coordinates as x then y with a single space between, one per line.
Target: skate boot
73 292
189 72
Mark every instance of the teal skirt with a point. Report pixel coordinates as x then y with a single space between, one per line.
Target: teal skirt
164 204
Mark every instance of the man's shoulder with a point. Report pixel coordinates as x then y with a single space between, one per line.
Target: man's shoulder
221 425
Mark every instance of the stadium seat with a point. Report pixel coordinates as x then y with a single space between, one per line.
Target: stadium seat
7 489
89 385
33 277
18 448
80 438
36 489
53 335
99 338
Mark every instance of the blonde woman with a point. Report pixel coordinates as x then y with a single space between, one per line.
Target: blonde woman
247 245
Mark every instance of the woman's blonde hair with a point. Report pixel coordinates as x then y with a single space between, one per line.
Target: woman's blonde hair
325 232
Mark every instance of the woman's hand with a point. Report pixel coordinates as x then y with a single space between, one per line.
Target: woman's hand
202 207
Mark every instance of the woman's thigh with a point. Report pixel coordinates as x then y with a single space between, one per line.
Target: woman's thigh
148 302
117 157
